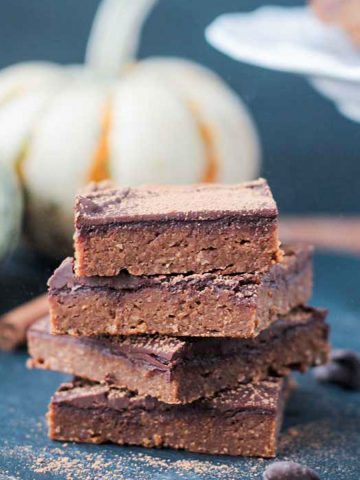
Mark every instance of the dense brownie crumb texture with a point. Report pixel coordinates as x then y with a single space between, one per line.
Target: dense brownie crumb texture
180 319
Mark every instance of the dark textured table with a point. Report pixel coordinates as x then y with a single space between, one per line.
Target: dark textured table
321 426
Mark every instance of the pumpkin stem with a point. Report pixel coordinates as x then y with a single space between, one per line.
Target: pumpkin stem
115 34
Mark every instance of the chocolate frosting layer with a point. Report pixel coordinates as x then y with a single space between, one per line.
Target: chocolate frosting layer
295 257
163 352
261 397
203 202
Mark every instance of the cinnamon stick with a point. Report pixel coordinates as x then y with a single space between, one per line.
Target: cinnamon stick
15 323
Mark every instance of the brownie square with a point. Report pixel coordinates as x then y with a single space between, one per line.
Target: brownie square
244 420
152 230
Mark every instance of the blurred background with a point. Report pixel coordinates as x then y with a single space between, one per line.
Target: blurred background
310 152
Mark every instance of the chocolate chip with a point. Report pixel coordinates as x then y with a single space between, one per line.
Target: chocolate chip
289 471
343 369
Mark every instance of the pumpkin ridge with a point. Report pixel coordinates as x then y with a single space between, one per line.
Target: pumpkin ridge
20 159
212 160
99 168
13 95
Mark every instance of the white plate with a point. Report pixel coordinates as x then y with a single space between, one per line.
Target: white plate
288 39
294 40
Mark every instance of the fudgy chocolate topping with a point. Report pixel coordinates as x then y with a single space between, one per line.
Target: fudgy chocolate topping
106 206
163 352
261 397
63 277
154 349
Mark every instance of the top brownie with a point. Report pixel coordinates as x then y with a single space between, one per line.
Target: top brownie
152 230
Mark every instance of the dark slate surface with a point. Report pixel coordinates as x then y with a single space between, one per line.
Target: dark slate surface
321 427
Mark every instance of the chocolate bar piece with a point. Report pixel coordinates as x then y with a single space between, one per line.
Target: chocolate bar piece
152 230
239 305
180 370
242 421
15 324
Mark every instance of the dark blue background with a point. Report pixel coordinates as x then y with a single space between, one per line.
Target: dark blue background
311 153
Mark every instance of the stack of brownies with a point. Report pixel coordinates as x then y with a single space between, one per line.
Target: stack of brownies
180 318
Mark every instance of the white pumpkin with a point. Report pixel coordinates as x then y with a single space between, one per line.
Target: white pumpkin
160 120
10 210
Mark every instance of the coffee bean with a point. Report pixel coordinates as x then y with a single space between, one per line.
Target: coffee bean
343 369
289 471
